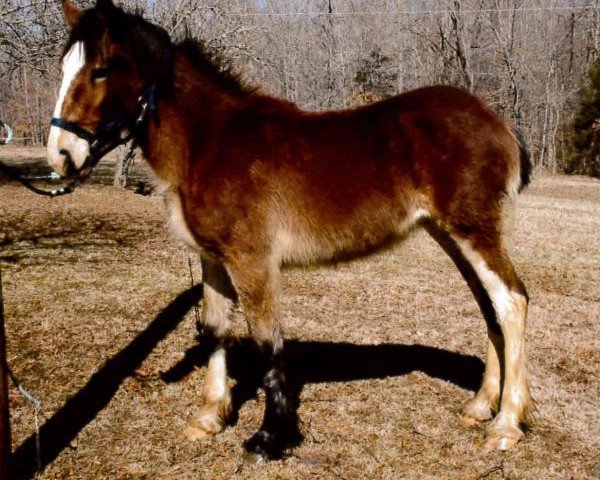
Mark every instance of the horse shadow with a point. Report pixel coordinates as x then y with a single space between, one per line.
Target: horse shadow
306 362
325 362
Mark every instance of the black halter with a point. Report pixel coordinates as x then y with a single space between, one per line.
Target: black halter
107 137
110 135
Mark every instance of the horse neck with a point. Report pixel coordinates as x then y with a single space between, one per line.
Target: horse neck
190 116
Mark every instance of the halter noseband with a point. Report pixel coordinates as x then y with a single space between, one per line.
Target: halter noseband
110 135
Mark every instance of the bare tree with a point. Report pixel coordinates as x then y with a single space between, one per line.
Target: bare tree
525 58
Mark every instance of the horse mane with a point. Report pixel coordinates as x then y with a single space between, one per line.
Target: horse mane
211 63
152 45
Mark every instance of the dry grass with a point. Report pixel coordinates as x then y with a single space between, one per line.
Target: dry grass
386 348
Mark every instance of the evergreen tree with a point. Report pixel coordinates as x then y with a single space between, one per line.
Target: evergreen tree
583 156
374 78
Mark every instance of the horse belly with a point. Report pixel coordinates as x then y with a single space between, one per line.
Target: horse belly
300 244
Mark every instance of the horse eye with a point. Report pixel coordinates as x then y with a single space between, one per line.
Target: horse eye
100 73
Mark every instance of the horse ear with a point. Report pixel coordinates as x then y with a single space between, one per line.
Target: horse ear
72 13
106 5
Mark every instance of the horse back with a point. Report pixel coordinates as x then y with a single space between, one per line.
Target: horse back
315 186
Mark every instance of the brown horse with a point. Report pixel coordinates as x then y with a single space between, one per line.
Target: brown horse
253 183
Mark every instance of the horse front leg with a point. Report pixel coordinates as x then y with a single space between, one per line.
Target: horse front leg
219 297
257 284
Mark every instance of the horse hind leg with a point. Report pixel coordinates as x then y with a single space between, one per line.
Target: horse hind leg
510 300
219 296
486 401
503 300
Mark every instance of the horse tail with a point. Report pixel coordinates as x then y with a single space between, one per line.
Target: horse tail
526 165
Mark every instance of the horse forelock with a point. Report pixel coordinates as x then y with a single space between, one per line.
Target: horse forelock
144 43
88 31
150 47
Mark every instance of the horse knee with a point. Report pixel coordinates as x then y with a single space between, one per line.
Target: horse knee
219 297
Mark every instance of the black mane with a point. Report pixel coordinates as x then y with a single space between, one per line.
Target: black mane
151 46
212 64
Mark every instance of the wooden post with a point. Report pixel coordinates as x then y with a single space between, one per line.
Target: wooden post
5 443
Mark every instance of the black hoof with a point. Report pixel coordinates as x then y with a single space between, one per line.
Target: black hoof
265 446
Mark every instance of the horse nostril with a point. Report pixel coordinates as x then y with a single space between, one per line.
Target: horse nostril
69 165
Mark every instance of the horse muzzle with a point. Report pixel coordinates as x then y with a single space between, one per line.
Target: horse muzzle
74 151
66 152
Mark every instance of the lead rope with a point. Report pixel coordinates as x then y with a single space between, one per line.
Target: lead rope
26 181
147 102
37 408
37 404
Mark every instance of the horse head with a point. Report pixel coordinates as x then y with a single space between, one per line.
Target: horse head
111 65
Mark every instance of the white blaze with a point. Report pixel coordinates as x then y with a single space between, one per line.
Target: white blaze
72 62
59 139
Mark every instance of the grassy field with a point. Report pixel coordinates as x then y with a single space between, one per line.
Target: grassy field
385 349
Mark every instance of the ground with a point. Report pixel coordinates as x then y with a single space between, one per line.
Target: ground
386 349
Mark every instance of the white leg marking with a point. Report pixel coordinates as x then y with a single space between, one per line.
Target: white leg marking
217 400
501 297
486 400
216 388
218 299
497 290
511 311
